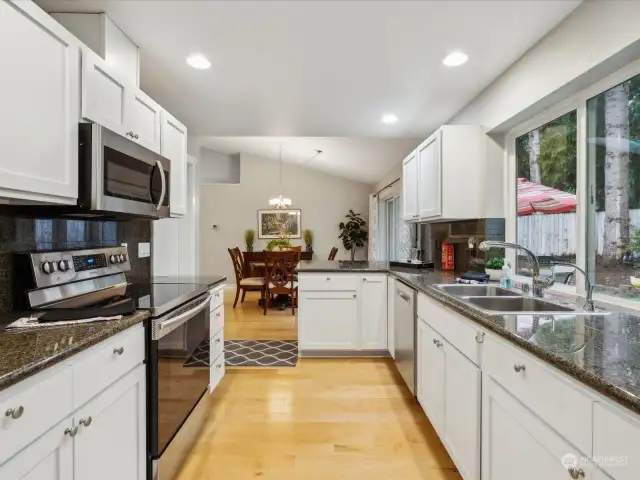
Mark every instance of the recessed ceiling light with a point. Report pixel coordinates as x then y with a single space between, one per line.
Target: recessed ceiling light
455 59
198 61
389 118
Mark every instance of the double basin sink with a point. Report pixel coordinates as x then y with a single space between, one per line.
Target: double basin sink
494 300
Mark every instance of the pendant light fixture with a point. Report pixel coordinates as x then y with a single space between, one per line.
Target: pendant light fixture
280 202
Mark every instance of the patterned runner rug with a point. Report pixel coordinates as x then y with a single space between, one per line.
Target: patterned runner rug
261 353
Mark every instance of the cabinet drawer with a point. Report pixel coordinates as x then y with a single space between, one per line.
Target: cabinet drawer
217 320
39 403
328 282
217 297
217 344
107 362
458 331
539 387
616 442
217 372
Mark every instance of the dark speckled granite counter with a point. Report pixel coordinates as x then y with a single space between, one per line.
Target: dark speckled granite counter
601 351
26 352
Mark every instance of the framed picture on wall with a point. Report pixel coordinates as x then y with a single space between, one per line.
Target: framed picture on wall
272 222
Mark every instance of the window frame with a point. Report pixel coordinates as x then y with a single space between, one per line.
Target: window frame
577 102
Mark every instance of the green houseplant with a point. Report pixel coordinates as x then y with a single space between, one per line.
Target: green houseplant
493 268
308 240
353 232
249 237
277 243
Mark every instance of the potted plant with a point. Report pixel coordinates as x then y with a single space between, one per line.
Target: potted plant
276 243
249 237
308 240
493 268
353 233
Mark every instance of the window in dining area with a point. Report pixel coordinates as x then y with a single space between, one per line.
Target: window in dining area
546 184
613 170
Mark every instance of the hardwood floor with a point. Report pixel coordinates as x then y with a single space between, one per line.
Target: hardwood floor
246 321
325 419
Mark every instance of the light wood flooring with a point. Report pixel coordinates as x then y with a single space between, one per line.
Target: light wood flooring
325 419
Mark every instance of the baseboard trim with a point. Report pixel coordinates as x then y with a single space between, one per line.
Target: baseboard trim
344 354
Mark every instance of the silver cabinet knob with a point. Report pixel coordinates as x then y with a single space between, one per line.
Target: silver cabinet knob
519 368
85 421
217 340
218 314
217 294
576 472
435 342
328 278
119 351
354 295
71 431
480 337
219 366
440 344
364 279
15 413
129 134
135 136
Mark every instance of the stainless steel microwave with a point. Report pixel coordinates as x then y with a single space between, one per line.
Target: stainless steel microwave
118 177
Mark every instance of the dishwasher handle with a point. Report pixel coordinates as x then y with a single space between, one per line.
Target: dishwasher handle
403 296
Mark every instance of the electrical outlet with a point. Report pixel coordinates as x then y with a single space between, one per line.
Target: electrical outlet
144 250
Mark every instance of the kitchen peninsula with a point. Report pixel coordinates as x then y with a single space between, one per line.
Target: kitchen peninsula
565 384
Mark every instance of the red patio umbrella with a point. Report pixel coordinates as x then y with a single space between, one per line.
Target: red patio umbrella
533 197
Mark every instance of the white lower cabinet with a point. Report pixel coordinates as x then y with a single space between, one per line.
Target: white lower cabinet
449 392
101 437
48 458
113 422
342 312
518 444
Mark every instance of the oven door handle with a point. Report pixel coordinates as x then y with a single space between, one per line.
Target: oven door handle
163 192
183 317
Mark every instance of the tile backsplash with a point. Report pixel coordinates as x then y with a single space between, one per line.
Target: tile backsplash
19 234
458 233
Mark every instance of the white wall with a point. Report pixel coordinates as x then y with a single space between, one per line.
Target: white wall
218 167
597 39
323 199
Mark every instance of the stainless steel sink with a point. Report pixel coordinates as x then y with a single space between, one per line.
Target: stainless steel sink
476 291
507 305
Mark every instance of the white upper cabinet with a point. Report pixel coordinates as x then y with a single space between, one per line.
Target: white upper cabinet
145 121
455 174
173 145
39 94
105 94
429 168
410 187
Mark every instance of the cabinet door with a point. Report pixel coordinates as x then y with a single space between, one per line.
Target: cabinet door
462 412
328 321
106 97
173 146
113 443
518 444
410 187
431 368
48 458
429 177
373 312
391 295
145 121
39 94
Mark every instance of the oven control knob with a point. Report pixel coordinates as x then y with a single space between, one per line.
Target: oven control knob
113 259
120 259
63 266
48 267
124 258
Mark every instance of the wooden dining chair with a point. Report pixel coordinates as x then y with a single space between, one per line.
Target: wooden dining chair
251 284
332 253
280 278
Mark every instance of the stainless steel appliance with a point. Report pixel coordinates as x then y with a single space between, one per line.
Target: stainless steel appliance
72 284
177 371
404 315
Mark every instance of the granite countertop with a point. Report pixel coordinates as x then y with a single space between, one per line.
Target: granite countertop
601 351
26 352
317 266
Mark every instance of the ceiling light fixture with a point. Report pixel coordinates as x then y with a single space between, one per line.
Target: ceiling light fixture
455 59
280 202
198 61
389 118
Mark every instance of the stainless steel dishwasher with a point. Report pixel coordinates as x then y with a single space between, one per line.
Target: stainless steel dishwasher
404 314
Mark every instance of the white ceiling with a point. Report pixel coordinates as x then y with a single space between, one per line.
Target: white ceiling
361 159
323 68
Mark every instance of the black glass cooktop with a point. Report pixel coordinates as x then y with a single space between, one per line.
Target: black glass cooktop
160 298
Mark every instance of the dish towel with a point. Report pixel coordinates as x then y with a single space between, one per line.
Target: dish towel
32 322
475 277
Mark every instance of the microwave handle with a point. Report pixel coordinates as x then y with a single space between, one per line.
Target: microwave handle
164 185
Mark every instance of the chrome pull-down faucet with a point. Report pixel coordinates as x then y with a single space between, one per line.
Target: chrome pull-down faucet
588 285
539 283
